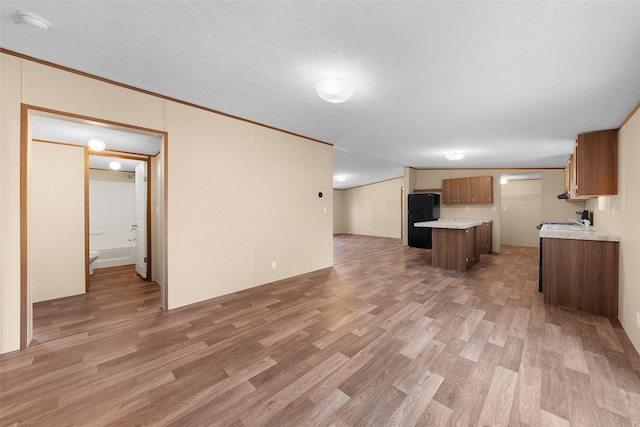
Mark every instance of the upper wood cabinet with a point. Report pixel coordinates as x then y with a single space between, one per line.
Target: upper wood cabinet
481 189
477 189
592 169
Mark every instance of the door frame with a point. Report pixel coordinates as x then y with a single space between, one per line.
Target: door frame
25 137
142 158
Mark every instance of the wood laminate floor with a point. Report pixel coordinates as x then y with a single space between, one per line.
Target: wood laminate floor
381 339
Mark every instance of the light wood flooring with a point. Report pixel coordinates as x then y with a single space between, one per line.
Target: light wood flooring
381 339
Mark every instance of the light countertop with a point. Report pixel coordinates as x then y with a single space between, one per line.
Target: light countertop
450 223
576 232
465 219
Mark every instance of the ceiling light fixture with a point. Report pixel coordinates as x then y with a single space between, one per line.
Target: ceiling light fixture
503 180
97 144
33 20
341 178
335 91
115 165
454 156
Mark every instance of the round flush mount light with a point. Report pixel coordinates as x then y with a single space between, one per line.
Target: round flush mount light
341 178
115 165
334 91
33 20
96 144
503 180
454 156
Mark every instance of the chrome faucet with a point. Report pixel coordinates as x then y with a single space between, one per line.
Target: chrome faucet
584 222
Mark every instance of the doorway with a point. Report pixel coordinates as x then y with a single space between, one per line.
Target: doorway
119 212
520 208
73 131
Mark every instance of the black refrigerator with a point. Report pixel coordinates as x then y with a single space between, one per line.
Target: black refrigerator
422 207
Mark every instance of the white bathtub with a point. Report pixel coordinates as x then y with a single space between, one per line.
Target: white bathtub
115 255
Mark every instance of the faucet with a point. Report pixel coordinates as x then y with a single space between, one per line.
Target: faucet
584 222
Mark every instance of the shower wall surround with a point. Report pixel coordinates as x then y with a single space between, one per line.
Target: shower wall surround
111 209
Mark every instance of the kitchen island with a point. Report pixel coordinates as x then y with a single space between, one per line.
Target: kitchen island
455 243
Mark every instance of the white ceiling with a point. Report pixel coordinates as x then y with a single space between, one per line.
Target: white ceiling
508 83
58 129
102 162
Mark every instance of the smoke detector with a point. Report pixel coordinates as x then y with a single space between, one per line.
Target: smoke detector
33 20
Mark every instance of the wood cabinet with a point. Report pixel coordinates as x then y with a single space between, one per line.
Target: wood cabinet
481 189
477 189
455 249
485 236
567 175
592 169
580 274
451 191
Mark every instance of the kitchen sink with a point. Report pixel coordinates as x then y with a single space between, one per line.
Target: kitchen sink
565 227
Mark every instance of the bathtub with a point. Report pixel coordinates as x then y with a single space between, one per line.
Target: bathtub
115 255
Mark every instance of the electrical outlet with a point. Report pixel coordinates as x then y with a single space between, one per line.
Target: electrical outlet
273 265
638 318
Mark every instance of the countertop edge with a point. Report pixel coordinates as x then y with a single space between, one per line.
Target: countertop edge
456 225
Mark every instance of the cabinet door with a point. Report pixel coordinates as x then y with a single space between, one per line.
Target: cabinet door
571 165
484 237
481 189
596 163
465 194
472 246
567 174
449 191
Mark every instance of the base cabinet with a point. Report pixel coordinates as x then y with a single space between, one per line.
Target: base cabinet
580 274
485 236
455 249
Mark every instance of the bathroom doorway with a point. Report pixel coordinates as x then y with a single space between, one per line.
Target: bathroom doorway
119 213
63 133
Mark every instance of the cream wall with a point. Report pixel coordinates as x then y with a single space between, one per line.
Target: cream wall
57 257
294 225
375 209
618 215
554 209
338 211
239 195
10 76
157 219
